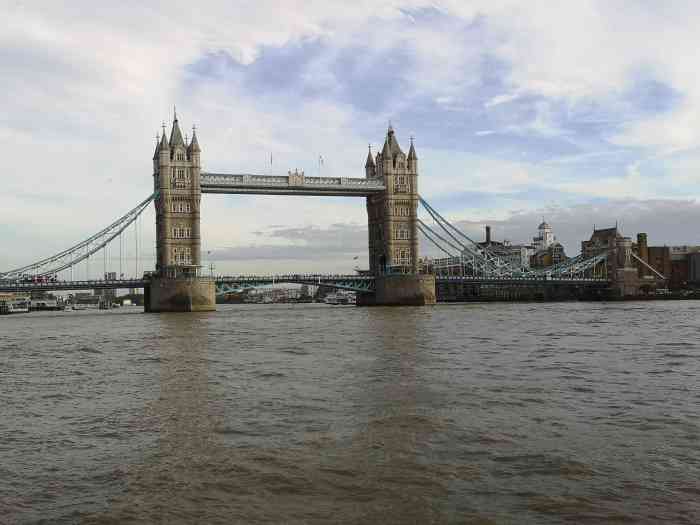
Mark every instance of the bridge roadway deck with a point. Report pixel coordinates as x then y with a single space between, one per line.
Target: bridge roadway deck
294 184
18 287
523 281
362 283
359 282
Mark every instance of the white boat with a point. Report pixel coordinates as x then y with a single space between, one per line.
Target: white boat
331 298
340 297
45 304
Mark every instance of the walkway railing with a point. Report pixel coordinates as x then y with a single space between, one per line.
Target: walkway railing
293 184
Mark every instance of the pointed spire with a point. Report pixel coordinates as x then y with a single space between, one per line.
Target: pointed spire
194 144
370 160
386 150
391 146
176 134
412 152
157 151
163 140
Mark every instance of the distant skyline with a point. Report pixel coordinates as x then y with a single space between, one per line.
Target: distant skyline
582 112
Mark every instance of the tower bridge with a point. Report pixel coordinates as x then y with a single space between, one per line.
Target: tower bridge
397 276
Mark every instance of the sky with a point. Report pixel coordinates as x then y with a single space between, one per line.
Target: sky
582 112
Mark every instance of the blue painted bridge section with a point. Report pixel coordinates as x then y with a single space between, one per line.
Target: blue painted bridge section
224 284
236 284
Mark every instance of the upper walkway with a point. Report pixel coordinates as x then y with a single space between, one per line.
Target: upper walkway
293 184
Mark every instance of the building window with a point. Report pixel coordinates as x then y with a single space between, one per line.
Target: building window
182 255
181 207
401 184
182 233
402 211
402 256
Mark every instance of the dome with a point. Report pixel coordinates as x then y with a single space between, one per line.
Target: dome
544 226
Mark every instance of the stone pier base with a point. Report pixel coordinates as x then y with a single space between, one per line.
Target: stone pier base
196 294
400 290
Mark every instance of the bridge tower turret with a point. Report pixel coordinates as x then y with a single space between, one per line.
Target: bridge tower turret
370 166
412 176
161 183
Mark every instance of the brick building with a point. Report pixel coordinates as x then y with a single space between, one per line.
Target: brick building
679 264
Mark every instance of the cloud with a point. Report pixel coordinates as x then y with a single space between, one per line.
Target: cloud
515 106
668 222
300 243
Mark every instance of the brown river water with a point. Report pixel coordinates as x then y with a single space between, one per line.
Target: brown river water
304 414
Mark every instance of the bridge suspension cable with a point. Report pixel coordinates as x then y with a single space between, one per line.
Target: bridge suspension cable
83 250
481 258
427 233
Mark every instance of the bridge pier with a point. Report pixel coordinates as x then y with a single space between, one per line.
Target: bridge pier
401 290
193 294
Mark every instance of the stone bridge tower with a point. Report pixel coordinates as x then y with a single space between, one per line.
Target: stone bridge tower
177 285
393 228
392 215
176 171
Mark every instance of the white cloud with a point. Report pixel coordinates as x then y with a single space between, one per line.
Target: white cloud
85 89
501 99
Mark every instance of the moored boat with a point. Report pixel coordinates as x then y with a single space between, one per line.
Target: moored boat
14 305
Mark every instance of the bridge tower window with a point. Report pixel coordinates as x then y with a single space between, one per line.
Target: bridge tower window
181 207
182 233
182 255
401 232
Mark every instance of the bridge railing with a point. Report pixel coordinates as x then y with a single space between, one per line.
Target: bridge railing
296 180
17 285
521 279
307 277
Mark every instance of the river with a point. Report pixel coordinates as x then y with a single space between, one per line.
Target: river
476 413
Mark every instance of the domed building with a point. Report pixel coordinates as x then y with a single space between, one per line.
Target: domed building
547 250
545 237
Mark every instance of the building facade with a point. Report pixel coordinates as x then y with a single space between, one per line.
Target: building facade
680 265
544 238
550 256
517 255
621 267
546 250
